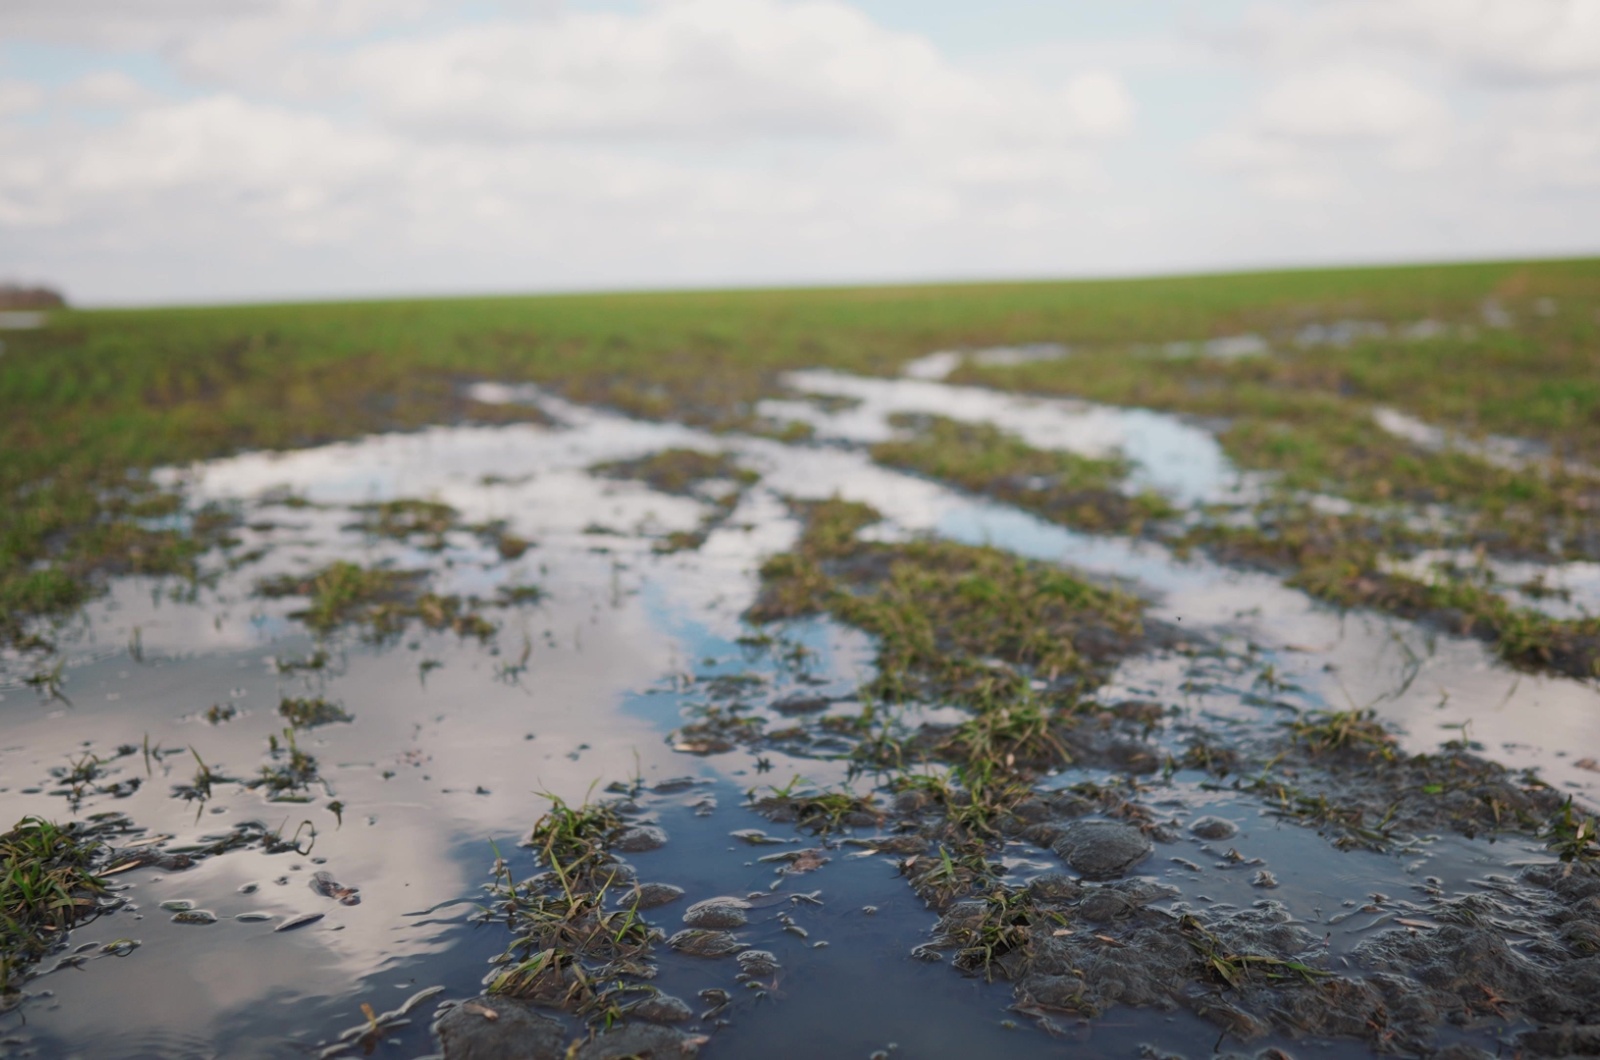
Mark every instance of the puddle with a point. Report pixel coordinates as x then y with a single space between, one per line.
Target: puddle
1225 348
935 367
1171 456
1561 590
453 743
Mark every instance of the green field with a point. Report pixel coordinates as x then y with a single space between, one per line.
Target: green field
96 398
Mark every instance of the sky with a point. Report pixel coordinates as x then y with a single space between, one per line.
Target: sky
191 151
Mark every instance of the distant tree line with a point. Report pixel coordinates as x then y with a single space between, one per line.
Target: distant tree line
19 296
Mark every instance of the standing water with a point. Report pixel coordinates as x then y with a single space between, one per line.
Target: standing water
313 812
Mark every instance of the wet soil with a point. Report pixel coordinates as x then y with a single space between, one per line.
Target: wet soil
1102 798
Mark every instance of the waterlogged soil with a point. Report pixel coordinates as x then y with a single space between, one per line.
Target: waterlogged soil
839 761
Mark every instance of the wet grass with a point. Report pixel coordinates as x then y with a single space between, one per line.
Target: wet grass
341 592
1076 491
308 712
953 622
1340 558
568 950
1356 731
379 600
95 399
47 885
687 473
290 771
677 471
410 520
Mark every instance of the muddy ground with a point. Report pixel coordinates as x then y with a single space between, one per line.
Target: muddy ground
602 737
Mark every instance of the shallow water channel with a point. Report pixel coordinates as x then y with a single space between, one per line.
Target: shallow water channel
452 745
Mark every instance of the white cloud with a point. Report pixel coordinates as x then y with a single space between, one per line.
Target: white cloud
1529 40
19 97
336 146
209 152
710 71
726 125
1312 134
1493 95
107 88
1349 103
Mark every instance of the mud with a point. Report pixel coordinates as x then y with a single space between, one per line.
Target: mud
927 778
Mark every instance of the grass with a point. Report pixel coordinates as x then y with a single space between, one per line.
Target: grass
47 885
953 622
1340 558
568 950
291 772
378 599
406 519
677 471
819 812
341 592
687 473
1356 731
1076 491
1571 835
1235 968
91 403
308 712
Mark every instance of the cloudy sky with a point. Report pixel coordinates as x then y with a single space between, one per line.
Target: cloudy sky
197 150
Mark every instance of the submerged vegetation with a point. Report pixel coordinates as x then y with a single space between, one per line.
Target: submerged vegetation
379 600
715 478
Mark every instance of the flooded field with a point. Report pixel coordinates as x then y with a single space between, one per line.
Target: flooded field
623 737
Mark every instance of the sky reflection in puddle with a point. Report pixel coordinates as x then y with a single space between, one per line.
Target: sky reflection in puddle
439 761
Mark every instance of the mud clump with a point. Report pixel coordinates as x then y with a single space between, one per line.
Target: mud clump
721 912
700 942
757 964
1099 850
661 1008
1213 828
498 1028
800 704
639 838
653 895
324 884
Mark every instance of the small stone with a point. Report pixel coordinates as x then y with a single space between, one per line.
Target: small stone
177 905
1064 992
639 838
1101 850
1055 887
1214 828
698 942
499 1028
800 703
720 912
651 895
194 916
298 921
757 963
661 1008
1102 907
